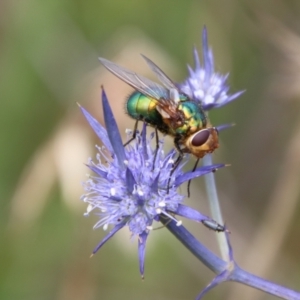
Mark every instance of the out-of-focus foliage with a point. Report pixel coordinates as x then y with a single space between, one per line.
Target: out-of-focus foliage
48 62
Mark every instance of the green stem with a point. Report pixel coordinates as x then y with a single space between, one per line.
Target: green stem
215 208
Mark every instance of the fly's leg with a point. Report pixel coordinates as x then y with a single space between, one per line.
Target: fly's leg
189 182
133 134
157 147
177 162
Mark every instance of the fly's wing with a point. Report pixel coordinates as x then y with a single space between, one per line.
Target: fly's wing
138 82
167 108
163 78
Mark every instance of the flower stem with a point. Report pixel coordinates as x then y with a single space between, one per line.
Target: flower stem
207 257
215 206
217 265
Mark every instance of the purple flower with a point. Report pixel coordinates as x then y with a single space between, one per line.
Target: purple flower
203 84
129 188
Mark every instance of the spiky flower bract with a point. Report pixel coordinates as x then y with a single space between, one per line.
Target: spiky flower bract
205 85
129 188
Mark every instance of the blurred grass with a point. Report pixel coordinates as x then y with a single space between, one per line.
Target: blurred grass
48 61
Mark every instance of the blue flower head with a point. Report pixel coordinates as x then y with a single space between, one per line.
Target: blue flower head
129 188
204 84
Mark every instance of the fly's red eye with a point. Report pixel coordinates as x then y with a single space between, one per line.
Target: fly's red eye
200 138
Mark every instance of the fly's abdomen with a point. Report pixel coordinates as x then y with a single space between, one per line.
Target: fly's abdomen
141 107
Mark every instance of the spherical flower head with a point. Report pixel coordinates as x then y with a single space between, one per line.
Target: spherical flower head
135 194
204 84
130 185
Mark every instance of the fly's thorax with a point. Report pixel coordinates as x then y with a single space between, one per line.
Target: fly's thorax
194 118
202 142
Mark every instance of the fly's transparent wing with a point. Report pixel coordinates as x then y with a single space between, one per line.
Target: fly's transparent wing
138 82
163 78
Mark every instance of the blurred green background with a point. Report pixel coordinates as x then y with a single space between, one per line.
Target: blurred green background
48 62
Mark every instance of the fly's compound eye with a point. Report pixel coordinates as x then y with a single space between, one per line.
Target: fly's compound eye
200 138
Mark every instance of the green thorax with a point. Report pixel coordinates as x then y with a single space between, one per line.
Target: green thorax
194 118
